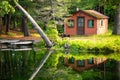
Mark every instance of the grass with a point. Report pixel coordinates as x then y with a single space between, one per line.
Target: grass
11 34
105 44
35 34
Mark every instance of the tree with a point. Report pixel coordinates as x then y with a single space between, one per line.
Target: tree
5 8
27 4
48 10
40 31
116 29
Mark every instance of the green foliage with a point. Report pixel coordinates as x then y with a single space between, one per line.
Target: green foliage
5 8
98 45
58 74
60 29
11 34
110 64
53 60
15 1
91 75
66 75
52 32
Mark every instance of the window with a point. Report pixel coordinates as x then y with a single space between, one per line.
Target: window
90 23
71 60
80 63
102 59
80 21
101 22
71 23
91 61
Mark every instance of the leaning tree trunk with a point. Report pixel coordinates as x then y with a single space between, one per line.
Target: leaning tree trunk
116 29
37 27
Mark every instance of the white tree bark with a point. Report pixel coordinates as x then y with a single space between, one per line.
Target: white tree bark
37 27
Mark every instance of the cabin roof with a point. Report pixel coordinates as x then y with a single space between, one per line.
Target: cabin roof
92 13
95 14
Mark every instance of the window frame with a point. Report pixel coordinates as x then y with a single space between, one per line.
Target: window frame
81 22
101 23
69 23
92 23
71 60
83 63
90 61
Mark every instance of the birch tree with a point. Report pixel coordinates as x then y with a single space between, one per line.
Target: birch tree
37 27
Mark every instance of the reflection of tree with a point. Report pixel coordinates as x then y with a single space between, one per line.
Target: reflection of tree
62 73
6 66
42 62
118 69
15 65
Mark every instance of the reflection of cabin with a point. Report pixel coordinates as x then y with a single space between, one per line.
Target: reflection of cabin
86 22
81 65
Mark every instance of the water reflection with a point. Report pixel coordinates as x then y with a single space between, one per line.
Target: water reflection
81 65
22 65
15 64
118 69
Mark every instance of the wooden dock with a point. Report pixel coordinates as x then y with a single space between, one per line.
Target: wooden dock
25 49
16 45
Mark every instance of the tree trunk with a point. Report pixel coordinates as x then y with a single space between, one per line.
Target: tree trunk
14 23
7 23
37 27
24 27
116 29
0 25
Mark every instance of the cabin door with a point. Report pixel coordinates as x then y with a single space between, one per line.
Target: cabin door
80 25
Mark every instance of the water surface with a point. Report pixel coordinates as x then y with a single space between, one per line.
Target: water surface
19 65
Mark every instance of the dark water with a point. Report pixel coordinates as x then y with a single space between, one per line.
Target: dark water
20 65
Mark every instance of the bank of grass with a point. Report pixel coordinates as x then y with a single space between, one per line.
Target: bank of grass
106 43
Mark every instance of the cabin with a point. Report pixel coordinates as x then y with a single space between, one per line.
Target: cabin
86 22
81 65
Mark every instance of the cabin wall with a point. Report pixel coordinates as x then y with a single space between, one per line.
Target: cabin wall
87 30
90 31
96 29
102 29
67 30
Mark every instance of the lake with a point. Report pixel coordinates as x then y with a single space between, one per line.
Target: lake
61 65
